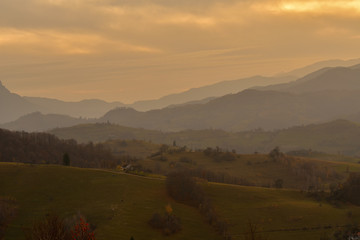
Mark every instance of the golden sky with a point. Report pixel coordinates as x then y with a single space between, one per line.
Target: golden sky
128 50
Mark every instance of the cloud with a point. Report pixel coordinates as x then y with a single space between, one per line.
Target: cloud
35 41
162 45
318 7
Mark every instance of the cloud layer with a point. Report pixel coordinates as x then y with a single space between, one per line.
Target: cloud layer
130 50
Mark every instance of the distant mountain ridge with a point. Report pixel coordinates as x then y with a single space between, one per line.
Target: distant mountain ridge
207 92
235 86
322 95
246 110
88 108
38 122
337 78
13 106
339 136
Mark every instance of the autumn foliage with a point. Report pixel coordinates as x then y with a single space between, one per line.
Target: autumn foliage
82 231
52 227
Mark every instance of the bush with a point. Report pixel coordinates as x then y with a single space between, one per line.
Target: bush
349 191
183 188
51 227
279 183
82 231
167 223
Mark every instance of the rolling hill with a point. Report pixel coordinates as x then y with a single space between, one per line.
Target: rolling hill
340 137
112 203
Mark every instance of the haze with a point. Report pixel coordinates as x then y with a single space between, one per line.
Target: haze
132 50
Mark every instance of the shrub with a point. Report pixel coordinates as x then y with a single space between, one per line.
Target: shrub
182 187
82 231
51 227
167 223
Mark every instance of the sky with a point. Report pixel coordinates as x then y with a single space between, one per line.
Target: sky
129 50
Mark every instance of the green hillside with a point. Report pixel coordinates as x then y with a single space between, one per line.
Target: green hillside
120 205
253 169
40 189
339 138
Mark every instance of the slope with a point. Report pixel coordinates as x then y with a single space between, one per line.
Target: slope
120 205
325 79
12 106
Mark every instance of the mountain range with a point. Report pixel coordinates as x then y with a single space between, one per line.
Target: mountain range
324 95
13 106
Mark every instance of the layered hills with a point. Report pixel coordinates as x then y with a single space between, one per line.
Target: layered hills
13 106
336 137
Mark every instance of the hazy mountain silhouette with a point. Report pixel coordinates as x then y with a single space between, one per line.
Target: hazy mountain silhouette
12 106
246 110
339 136
208 92
36 121
337 78
90 108
323 95
235 86
301 72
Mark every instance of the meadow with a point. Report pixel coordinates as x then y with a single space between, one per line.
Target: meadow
120 205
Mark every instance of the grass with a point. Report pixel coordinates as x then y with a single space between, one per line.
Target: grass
281 214
41 189
120 205
256 168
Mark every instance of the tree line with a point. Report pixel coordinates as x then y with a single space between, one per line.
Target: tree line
44 148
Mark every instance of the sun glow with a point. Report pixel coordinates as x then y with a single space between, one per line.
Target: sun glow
334 7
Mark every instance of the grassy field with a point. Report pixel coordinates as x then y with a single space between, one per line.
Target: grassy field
256 168
41 189
120 205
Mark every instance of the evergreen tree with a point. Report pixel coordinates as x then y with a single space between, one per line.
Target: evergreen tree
66 159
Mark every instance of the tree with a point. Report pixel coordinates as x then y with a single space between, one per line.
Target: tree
66 159
82 231
51 227
275 154
253 232
167 223
279 183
